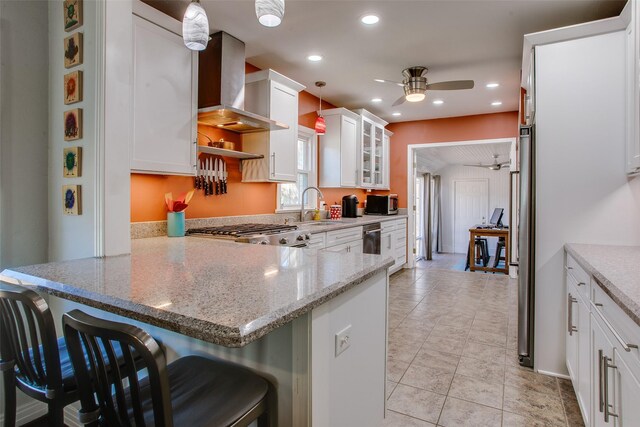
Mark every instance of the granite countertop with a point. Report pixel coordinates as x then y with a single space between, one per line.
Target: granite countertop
617 271
323 226
222 292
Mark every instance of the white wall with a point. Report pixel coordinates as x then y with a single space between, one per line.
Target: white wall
583 194
23 132
498 198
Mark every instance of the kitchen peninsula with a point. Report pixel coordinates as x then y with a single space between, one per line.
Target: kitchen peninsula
280 311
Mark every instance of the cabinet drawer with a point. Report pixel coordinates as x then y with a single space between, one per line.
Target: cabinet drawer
621 328
318 240
338 237
577 276
388 226
401 243
352 246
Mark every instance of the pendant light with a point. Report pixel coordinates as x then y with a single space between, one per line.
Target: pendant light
195 27
270 12
320 126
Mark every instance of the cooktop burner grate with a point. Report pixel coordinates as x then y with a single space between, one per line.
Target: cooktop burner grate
239 230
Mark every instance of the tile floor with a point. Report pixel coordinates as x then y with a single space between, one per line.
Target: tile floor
452 355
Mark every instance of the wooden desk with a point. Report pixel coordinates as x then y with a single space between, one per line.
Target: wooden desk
488 232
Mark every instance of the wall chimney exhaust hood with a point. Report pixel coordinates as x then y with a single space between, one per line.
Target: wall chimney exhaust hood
221 70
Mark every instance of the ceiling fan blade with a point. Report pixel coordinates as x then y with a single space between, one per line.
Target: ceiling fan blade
389 81
399 101
452 85
479 166
503 164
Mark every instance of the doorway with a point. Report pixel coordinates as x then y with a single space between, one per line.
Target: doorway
470 207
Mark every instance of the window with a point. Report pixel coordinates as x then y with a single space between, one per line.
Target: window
289 193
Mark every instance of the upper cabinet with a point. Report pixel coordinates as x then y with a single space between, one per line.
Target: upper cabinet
275 96
164 95
386 183
373 158
339 149
633 92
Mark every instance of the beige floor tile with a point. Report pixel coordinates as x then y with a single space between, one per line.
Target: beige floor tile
460 413
433 379
396 369
476 390
476 350
395 419
445 344
450 331
403 351
544 407
488 337
484 369
430 358
390 387
498 327
526 379
416 403
418 324
514 420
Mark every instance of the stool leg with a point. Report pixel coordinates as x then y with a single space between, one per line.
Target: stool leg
9 398
55 416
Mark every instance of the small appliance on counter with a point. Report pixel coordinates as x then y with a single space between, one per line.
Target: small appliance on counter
381 205
350 206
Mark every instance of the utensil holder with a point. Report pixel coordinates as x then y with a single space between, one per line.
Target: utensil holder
175 224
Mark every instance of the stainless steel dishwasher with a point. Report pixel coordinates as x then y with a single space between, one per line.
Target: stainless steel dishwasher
371 238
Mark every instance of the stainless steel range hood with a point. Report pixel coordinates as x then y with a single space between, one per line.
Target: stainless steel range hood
221 70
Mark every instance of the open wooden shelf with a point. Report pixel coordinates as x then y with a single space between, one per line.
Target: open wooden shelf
228 153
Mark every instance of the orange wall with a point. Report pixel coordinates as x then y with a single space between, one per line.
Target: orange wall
466 128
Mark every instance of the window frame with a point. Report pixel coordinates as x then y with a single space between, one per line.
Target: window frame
309 135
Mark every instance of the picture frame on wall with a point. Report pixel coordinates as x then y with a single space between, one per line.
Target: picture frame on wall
73 87
73 50
71 199
72 14
73 124
72 162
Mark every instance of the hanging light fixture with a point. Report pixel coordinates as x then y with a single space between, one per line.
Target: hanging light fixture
270 12
195 27
320 126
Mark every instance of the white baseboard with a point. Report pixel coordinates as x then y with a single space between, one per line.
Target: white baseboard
554 374
34 409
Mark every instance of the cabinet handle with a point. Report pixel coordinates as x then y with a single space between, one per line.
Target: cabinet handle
570 328
625 346
600 382
581 283
273 160
606 366
568 268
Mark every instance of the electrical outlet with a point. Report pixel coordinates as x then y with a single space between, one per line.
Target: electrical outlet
343 340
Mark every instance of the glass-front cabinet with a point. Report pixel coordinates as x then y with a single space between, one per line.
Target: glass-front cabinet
372 151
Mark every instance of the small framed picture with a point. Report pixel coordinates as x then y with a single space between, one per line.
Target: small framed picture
72 162
73 87
72 14
71 199
73 124
73 50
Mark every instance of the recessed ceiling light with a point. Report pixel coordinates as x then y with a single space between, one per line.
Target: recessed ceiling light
369 19
376 100
492 85
438 102
378 80
496 103
396 114
314 58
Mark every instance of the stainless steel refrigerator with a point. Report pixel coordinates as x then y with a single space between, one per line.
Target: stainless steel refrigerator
526 246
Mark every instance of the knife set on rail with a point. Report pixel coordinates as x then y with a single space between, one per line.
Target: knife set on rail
212 176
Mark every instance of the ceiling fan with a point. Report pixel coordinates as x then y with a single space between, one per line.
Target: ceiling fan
415 85
495 166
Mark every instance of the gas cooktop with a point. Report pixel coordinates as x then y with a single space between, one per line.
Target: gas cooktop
264 234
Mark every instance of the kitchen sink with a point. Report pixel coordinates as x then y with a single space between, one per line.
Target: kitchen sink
324 222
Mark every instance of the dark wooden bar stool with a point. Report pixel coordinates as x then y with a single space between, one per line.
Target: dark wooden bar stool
499 248
482 252
192 391
31 356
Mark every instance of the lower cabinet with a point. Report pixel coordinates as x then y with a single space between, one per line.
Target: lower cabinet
602 384
626 393
353 246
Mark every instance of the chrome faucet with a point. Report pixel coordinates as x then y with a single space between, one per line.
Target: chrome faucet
302 209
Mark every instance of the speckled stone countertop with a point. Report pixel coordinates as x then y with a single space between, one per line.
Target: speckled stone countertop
314 227
221 292
617 269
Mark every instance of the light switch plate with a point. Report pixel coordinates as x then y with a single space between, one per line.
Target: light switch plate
343 340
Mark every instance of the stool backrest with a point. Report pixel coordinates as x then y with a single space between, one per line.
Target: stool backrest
91 342
29 339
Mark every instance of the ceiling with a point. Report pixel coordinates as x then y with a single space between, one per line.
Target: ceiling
457 40
434 159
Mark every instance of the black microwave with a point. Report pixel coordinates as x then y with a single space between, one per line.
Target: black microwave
381 205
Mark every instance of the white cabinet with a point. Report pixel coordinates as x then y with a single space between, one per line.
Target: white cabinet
627 393
346 239
272 95
386 181
633 91
317 241
602 384
338 149
393 242
371 151
164 96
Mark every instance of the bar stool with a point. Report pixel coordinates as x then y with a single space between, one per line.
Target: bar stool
482 248
499 248
192 391
31 356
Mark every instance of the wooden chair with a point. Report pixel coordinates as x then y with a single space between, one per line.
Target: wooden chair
31 356
192 391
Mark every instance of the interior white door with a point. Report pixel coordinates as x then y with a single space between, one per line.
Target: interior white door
471 204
